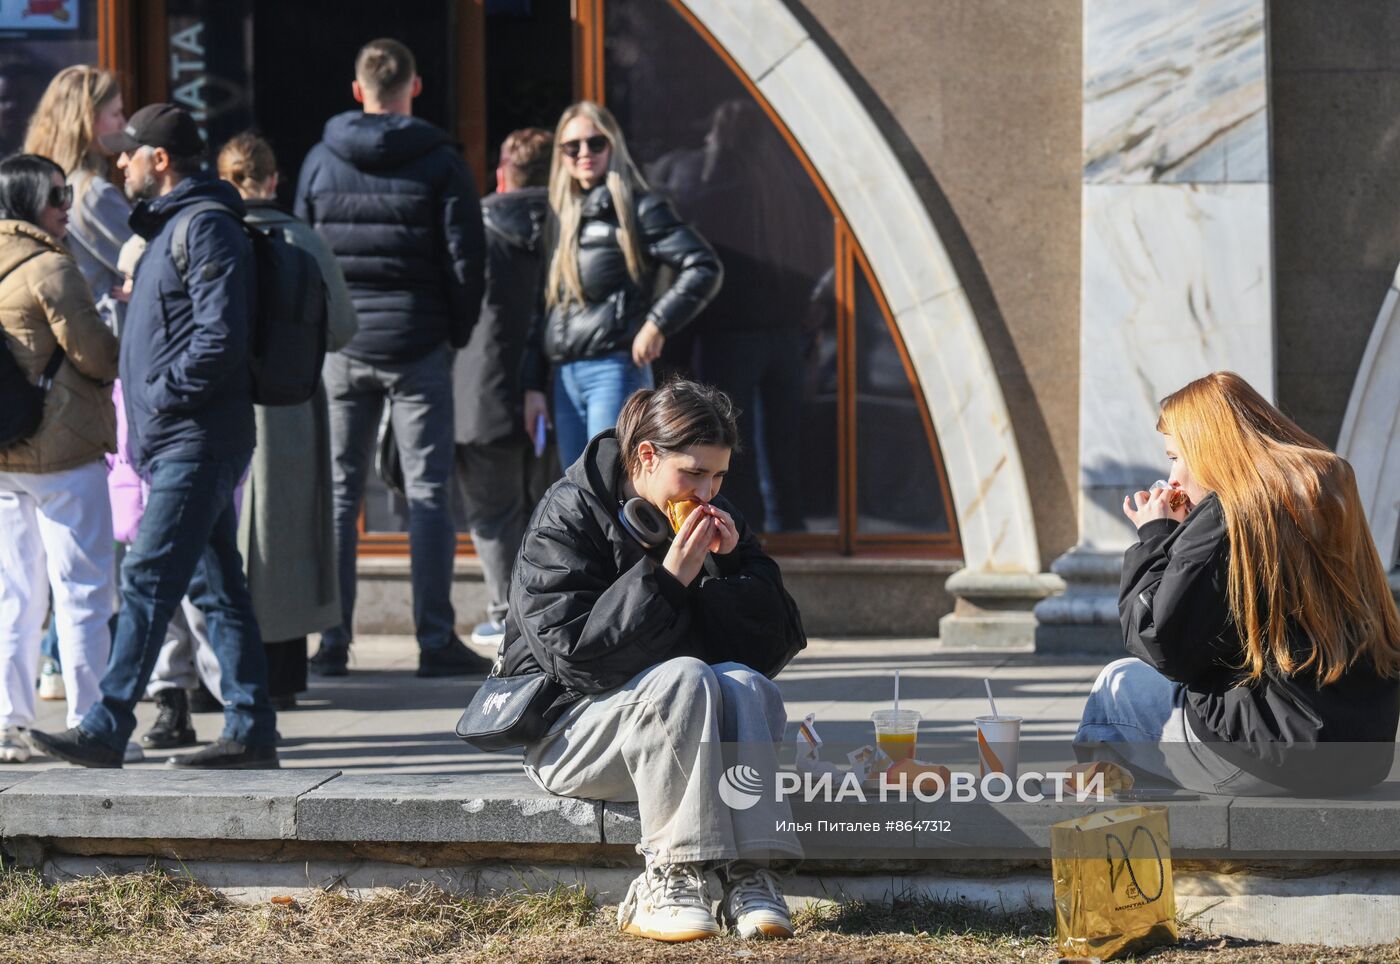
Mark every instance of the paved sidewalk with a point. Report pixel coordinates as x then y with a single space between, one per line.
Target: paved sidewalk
382 719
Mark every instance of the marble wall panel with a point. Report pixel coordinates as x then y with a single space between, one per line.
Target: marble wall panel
1175 91
1176 282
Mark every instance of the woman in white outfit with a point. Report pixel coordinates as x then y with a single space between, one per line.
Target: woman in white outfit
54 509
82 104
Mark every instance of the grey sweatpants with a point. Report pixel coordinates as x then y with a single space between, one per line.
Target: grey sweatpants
665 739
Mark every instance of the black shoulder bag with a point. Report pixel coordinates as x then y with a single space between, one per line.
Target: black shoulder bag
511 711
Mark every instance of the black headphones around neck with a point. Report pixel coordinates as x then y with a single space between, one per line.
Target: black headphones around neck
644 522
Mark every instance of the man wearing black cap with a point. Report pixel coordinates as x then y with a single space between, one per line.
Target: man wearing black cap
188 394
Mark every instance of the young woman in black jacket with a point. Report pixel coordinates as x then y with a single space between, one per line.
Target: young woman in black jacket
668 655
1265 641
603 322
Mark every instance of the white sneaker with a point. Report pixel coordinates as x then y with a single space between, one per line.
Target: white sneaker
14 748
669 902
134 753
753 903
51 681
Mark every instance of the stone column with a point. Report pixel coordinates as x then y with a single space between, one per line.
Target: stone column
1176 259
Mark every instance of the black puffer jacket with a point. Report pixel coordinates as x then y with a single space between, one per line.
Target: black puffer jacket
1173 602
395 201
591 607
615 307
486 376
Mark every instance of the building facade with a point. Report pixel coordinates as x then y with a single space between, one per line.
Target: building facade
968 246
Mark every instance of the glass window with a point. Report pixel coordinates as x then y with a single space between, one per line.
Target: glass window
897 484
769 338
38 38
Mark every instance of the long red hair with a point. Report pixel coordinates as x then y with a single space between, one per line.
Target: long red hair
1300 548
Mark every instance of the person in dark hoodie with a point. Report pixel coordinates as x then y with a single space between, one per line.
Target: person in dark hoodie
494 450
393 198
1265 641
189 409
666 651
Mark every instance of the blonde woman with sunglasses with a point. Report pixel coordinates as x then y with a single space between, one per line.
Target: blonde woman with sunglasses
603 321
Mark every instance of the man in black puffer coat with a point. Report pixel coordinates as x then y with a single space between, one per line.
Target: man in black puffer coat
393 197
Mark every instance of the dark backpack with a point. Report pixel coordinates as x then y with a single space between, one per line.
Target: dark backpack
291 319
22 401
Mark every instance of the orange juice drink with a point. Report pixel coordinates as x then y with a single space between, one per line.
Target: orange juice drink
896 733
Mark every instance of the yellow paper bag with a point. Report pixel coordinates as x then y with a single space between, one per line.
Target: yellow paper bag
1113 883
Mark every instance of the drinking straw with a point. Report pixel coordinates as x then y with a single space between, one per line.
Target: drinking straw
896 694
988 684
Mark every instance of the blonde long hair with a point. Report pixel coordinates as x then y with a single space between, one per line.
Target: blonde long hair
1300 549
566 202
62 126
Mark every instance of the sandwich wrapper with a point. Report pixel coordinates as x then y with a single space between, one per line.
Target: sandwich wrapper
868 762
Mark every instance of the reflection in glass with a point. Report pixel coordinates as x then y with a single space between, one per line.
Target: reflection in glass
769 337
35 44
897 489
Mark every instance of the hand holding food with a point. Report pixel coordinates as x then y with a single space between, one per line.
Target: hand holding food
1165 502
691 545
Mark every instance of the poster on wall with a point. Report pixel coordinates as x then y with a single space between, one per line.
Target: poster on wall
39 15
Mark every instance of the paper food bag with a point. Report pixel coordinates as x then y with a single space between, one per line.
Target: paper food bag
1113 883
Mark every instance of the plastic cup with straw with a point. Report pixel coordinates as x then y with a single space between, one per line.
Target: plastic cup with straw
896 730
998 739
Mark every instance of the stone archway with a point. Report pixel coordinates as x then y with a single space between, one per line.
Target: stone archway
1370 437
910 263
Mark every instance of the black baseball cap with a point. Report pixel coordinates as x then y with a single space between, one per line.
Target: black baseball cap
158 125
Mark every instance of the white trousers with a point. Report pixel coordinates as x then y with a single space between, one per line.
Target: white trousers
55 532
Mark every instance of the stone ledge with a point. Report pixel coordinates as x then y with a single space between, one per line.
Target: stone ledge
116 810
228 805
487 808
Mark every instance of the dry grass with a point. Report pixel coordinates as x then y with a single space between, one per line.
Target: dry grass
150 916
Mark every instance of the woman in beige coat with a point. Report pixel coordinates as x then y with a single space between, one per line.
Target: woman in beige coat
54 512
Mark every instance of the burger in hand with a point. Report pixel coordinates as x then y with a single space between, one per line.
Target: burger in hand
678 512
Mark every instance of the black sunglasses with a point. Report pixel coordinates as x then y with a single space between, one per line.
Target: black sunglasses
60 195
597 144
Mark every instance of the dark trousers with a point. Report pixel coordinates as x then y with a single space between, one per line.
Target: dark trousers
493 478
188 542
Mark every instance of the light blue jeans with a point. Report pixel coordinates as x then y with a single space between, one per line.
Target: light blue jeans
1135 715
588 397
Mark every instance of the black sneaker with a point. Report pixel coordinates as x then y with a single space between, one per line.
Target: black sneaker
228 755
172 727
454 659
75 746
331 659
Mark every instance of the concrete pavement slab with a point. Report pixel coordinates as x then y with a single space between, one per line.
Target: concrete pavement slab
166 803
445 809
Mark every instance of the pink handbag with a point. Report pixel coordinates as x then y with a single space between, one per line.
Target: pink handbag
123 484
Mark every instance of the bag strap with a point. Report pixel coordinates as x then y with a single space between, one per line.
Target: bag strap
180 237
56 359
51 369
